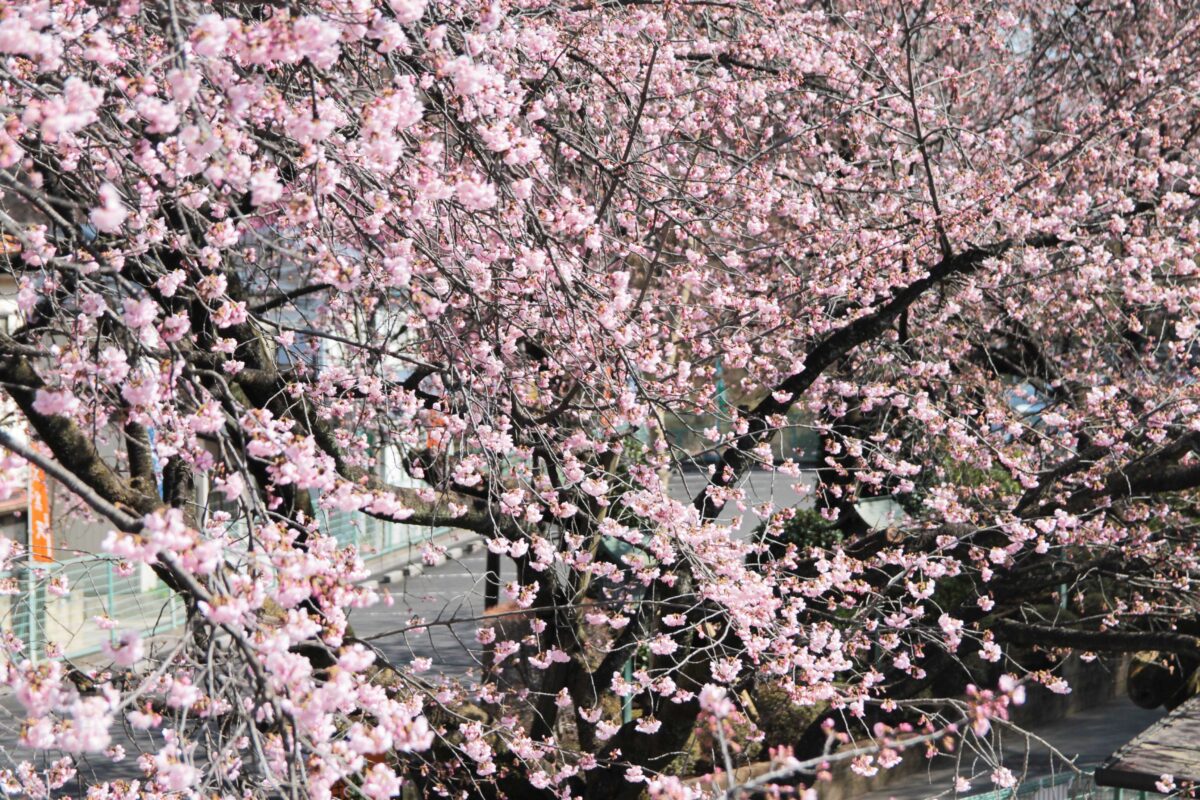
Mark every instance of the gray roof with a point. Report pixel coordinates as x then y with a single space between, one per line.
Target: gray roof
1170 746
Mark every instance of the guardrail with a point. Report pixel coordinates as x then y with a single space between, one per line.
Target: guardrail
1067 786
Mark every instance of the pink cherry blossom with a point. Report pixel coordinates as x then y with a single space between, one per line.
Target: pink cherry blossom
111 213
475 195
769 349
127 650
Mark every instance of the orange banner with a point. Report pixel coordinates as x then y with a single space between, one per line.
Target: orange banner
40 537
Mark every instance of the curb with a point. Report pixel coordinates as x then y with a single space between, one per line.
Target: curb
417 566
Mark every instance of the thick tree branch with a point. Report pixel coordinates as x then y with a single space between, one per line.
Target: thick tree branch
828 351
1106 641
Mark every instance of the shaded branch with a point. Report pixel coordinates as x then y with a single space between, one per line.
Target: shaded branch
1108 641
72 448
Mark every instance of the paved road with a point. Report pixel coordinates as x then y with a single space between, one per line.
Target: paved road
454 591
450 598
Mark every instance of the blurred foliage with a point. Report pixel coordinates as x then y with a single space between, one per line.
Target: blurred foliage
781 721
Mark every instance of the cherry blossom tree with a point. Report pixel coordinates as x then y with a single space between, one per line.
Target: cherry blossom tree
516 245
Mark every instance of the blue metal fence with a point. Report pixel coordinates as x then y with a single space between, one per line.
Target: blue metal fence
71 608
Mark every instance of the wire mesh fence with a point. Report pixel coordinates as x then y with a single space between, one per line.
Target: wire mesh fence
72 608
1067 786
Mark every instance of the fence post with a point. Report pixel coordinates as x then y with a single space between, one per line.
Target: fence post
112 599
33 616
627 703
